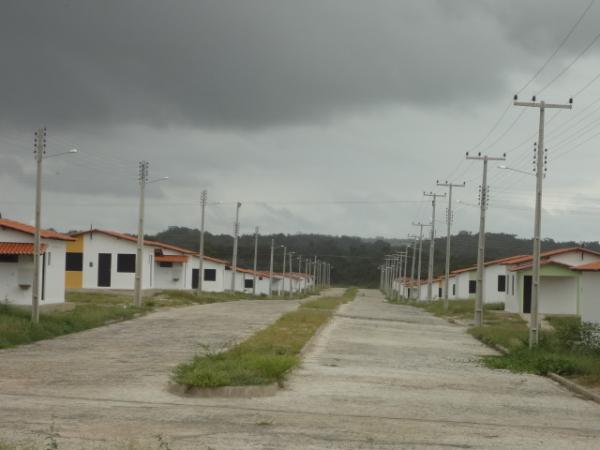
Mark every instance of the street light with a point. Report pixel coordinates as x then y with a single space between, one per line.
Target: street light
39 154
516 170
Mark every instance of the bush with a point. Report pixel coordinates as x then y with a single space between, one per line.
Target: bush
590 336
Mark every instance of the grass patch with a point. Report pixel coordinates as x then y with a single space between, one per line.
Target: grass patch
457 309
16 327
265 357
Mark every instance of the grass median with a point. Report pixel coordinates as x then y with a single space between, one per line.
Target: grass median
267 356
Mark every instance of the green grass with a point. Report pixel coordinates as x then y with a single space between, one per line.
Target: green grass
265 357
457 309
16 327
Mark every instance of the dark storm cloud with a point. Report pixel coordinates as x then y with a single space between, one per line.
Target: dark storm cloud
249 63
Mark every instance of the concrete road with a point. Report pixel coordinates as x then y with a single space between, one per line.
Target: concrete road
379 376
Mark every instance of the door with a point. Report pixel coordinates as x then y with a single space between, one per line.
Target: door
195 273
527 294
104 269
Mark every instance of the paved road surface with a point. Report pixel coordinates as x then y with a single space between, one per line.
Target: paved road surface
379 376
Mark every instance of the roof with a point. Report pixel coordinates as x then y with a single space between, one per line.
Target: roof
28 229
589 267
466 269
171 258
19 248
558 251
543 262
131 238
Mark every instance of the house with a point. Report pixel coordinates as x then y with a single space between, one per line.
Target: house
589 302
496 278
214 274
103 259
16 264
560 281
465 283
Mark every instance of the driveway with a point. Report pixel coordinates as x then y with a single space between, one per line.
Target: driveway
379 376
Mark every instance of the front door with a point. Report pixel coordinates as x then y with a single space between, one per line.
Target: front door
527 294
104 268
195 278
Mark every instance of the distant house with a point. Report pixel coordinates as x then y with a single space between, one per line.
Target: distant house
560 278
589 303
16 264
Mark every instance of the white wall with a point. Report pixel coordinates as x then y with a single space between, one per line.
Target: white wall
558 295
490 284
575 258
208 286
590 297
512 300
462 285
13 275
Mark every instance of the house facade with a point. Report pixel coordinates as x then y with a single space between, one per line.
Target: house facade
16 264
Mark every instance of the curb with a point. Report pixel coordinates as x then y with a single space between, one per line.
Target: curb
568 384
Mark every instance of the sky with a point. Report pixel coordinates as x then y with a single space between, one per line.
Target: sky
320 116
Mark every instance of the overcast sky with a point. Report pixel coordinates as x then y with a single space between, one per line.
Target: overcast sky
324 116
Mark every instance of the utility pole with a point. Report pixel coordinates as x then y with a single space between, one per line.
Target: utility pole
271 268
38 152
144 167
420 225
236 232
412 264
291 254
448 237
483 200
301 284
431 243
405 268
255 260
537 227
282 287
315 273
203 199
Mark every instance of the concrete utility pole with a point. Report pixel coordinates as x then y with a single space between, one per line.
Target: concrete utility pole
448 237
483 200
537 227
203 199
412 264
431 243
405 269
236 232
315 274
144 167
255 260
301 285
282 286
420 225
38 152
271 267
291 254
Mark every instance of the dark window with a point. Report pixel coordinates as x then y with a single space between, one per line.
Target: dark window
439 292
501 283
126 263
513 285
249 283
454 289
472 286
210 274
74 262
9 258
165 264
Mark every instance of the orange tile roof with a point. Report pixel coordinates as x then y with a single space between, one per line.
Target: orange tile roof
466 269
543 262
589 267
28 229
171 258
19 248
131 238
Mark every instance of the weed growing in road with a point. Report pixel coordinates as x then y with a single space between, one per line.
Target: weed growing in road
265 357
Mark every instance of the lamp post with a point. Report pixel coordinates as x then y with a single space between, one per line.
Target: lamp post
39 153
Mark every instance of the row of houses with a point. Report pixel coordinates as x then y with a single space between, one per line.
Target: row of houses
569 283
103 259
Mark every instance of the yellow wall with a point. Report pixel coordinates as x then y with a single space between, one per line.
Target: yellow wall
74 280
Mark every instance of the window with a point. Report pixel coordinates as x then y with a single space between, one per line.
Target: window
74 262
249 283
513 285
453 289
165 264
210 274
439 292
9 258
501 283
472 287
126 262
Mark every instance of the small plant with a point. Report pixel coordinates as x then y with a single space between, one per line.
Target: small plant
163 444
590 336
50 441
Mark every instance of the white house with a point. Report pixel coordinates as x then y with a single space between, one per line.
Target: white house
102 259
464 283
16 264
560 281
589 300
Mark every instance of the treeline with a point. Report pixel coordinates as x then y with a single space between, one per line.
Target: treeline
355 260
